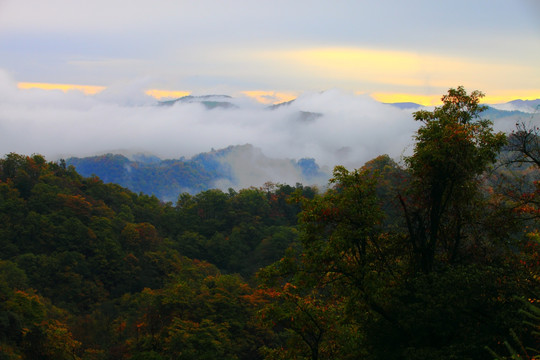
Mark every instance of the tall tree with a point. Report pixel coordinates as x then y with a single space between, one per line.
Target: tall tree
454 147
341 274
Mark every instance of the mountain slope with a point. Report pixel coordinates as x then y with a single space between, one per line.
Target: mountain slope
233 167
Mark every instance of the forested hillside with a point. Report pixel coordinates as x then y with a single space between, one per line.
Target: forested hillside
78 256
436 258
224 168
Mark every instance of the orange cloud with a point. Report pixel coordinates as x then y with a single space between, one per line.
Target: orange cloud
166 94
274 97
86 89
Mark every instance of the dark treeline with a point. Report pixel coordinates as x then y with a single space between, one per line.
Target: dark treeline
437 258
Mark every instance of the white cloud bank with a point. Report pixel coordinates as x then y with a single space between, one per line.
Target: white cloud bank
352 129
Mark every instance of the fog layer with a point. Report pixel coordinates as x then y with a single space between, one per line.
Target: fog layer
333 127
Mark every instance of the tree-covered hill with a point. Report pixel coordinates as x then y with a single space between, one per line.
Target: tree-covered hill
223 168
73 248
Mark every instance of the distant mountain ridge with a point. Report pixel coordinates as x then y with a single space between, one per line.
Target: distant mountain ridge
532 103
405 105
526 106
208 101
212 101
504 113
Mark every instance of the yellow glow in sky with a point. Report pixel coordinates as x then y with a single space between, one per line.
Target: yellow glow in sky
421 76
86 89
366 66
166 94
270 97
435 100
275 97
499 97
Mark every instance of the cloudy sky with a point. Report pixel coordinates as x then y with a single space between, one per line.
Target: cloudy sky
392 50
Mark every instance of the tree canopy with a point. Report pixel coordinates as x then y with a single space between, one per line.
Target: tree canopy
434 258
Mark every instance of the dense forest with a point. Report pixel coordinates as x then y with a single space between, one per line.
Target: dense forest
434 258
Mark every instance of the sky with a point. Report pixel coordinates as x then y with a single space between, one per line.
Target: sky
276 50
79 78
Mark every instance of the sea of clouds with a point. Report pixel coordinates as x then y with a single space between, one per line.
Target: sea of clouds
334 127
